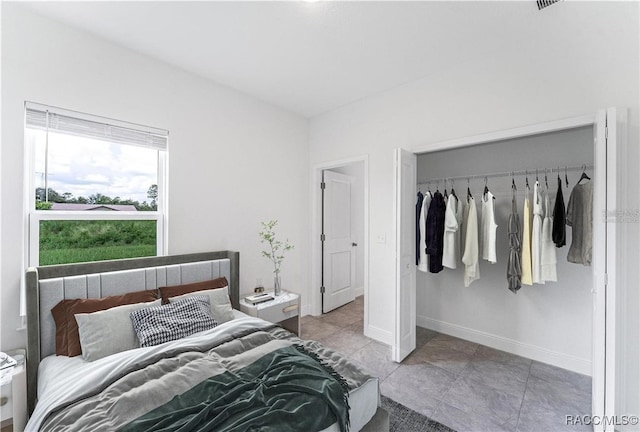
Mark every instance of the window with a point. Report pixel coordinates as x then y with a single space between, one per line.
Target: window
96 187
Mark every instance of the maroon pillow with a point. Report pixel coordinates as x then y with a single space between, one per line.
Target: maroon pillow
67 337
176 290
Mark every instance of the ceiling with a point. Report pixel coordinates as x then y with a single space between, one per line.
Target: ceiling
309 57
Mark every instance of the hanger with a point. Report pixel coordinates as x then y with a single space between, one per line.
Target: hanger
446 195
546 182
536 174
513 182
486 188
566 179
469 196
584 174
527 179
453 192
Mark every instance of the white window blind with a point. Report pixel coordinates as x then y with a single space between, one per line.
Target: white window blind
75 123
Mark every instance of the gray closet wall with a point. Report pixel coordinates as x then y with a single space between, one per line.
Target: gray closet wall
551 322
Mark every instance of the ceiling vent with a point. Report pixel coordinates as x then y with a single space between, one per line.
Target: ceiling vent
544 3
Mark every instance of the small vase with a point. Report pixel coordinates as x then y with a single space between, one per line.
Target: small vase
277 289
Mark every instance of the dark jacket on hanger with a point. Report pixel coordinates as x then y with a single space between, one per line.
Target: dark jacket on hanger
435 232
418 210
558 233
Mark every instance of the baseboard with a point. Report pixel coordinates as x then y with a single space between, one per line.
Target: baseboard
305 309
358 291
540 354
379 334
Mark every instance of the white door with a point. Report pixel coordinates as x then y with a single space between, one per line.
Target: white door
405 307
338 245
607 140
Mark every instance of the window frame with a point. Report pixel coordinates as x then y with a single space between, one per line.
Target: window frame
33 217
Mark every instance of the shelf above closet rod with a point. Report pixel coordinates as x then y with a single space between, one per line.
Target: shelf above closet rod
509 174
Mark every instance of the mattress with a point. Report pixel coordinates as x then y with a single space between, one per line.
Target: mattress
59 372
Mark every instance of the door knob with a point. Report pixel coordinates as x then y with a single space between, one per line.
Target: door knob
354 244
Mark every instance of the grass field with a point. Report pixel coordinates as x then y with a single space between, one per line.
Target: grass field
65 256
64 242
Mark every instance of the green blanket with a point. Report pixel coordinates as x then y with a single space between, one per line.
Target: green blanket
286 390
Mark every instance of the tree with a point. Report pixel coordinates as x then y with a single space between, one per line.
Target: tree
53 196
152 194
42 203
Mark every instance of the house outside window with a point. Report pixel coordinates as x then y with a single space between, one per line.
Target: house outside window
96 187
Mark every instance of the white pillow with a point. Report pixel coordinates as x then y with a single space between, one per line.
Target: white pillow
221 309
108 331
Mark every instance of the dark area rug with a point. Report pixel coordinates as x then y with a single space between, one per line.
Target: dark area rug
403 419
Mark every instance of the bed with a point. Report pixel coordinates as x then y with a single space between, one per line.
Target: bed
204 381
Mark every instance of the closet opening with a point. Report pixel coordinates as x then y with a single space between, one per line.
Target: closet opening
568 323
549 317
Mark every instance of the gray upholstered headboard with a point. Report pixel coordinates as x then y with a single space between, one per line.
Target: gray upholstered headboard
48 285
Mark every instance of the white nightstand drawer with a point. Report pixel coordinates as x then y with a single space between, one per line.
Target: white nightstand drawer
279 312
283 309
13 392
6 402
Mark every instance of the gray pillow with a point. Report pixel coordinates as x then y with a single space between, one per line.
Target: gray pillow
221 308
160 324
108 331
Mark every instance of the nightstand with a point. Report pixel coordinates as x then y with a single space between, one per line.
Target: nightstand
13 395
283 310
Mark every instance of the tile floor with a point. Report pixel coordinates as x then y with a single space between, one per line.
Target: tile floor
464 385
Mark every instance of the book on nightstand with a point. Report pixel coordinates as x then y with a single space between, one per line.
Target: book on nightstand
6 361
258 298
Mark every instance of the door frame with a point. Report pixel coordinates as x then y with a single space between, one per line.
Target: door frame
604 316
315 298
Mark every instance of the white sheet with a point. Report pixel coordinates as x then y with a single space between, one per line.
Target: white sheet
54 369
61 376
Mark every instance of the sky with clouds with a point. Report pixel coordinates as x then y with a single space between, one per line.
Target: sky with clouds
83 166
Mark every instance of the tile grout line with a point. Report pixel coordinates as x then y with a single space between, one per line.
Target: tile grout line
498 390
526 387
458 376
435 410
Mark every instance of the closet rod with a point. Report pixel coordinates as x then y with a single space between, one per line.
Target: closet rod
508 174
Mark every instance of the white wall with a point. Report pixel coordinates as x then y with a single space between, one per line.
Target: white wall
549 323
356 170
584 58
231 157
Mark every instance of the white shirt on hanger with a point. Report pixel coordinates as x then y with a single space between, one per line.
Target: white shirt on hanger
463 228
536 235
451 241
488 228
548 268
423 264
470 258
